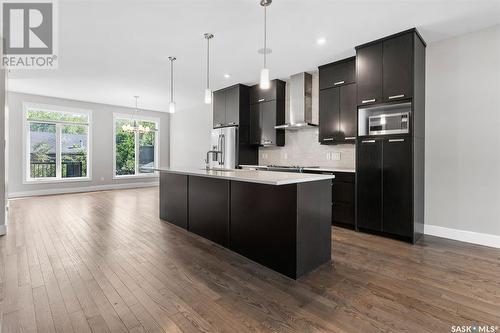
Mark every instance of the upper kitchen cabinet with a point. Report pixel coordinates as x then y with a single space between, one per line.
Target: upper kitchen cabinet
230 107
398 68
275 91
385 68
267 110
337 73
337 102
369 73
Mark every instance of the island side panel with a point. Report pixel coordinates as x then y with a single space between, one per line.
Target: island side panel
174 199
263 224
209 208
314 219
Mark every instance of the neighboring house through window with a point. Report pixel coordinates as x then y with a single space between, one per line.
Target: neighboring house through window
135 152
57 143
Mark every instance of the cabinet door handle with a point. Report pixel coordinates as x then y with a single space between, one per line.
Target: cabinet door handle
328 139
337 83
397 96
396 140
350 138
368 141
261 100
368 100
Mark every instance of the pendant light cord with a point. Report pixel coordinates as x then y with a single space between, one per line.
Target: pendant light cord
171 80
265 36
208 63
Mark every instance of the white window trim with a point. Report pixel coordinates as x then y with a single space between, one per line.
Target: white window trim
26 142
157 146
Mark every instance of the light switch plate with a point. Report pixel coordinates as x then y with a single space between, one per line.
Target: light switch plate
336 156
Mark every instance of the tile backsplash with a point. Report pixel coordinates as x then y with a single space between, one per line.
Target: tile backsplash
302 148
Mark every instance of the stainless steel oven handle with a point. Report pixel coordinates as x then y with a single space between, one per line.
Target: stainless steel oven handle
368 141
397 96
396 140
368 100
328 139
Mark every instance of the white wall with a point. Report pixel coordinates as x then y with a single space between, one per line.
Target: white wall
190 136
462 184
102 146
3 151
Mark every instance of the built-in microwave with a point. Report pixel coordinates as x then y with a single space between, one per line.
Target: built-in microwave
389 123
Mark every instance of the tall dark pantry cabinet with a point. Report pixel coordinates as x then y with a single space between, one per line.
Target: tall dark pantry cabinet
390 76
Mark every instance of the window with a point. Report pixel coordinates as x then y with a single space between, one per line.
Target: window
57 143
135 153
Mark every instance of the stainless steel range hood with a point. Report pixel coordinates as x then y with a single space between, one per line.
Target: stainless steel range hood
300 114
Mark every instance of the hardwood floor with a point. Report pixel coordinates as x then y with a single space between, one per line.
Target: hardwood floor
103 261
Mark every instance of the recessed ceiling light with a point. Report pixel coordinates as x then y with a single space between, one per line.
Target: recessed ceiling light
321 41
227 76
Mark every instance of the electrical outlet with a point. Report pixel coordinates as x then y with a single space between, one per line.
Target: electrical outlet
336 156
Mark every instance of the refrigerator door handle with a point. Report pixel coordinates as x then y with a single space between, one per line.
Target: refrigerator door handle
223 148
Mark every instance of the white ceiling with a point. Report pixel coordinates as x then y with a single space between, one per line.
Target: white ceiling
111 50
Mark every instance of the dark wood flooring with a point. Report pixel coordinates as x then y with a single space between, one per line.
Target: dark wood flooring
105 262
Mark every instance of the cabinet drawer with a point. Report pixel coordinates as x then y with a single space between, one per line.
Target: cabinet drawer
337 74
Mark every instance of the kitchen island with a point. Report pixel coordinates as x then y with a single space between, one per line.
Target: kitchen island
281 220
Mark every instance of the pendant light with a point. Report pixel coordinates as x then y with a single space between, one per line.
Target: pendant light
171 105
208 91
136 127
264 73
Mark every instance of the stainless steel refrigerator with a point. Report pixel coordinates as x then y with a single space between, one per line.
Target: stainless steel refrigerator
224 141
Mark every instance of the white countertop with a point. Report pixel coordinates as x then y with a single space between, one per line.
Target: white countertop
320 169
251 176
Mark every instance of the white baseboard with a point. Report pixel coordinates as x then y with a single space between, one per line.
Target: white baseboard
463 235
34 193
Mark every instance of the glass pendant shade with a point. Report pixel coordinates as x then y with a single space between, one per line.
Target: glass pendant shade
208 96
264 79
171 107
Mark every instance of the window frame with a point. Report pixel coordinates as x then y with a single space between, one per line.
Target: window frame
59 124
128 116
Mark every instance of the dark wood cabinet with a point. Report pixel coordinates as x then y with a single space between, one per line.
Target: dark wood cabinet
337 73
397 187
398 68
230 106
369 185
267 110
255 129
337 102
219 108
174 203
348 120
329 116
385 68
369 73
343 199
209 214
